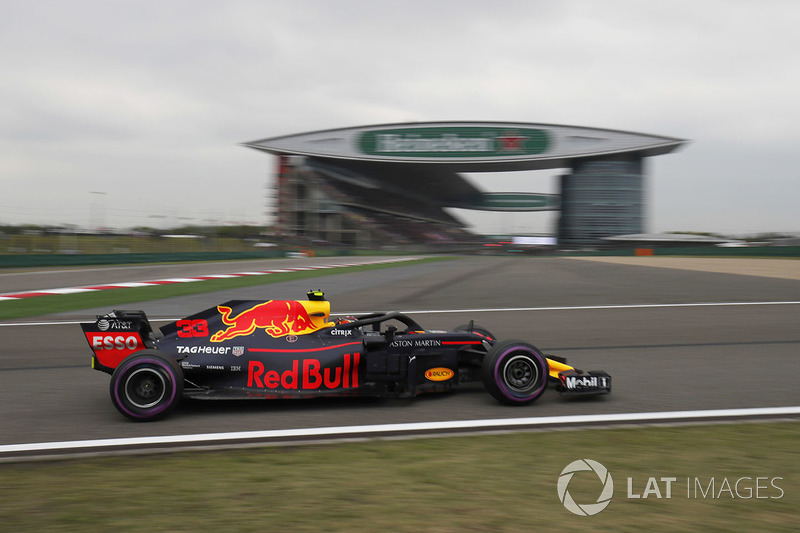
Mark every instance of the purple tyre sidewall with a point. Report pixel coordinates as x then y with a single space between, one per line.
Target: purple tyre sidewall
501 384
163 367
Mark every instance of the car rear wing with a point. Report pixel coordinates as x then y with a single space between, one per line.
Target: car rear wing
116 335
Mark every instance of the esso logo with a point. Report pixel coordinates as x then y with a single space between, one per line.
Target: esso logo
110 349
115 342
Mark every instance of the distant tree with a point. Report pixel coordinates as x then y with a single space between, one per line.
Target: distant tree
239 232
766 237
700 233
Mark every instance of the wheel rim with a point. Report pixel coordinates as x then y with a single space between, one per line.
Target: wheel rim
145 388
521 374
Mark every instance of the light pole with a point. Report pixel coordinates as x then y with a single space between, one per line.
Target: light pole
97 211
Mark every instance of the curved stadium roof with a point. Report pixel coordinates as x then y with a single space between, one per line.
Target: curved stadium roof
467 146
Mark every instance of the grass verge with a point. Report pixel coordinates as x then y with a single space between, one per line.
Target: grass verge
42 305
478 483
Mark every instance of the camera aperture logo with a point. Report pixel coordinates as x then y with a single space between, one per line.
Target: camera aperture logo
747 487
586 509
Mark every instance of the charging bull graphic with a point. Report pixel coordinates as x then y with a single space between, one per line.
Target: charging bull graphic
277 317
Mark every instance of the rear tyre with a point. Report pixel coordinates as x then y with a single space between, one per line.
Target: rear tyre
146 386
514 372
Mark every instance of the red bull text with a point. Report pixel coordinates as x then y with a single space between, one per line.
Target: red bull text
277 317
306 374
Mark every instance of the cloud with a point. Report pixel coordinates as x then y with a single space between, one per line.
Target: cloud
156 96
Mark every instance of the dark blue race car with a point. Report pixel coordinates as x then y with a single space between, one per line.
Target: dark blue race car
291 349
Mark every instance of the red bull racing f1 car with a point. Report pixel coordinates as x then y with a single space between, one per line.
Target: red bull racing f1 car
291 349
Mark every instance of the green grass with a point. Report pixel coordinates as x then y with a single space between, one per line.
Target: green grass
42 305
478 483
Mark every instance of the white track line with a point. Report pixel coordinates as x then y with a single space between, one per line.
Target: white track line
592 307
487 310
397 429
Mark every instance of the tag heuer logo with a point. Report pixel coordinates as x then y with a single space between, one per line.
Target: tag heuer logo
238 351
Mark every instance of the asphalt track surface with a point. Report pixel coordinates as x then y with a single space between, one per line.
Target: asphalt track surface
744 353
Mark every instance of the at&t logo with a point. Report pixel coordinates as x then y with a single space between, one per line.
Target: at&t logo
587 509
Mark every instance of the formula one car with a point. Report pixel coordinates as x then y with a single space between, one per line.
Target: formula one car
290 349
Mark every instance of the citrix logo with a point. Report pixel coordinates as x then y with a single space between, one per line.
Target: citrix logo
588 509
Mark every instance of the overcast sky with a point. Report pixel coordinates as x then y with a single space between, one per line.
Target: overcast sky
127 113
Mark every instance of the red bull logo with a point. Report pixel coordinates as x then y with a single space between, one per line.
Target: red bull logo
307 374
276 317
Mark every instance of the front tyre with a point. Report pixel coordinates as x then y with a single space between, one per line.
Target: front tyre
514 372
146 386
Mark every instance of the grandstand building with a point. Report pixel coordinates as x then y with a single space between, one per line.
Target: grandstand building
390 184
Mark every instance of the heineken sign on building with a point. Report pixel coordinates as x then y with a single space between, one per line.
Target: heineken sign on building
467 146
412 182
459 142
